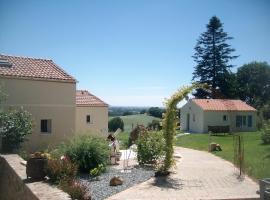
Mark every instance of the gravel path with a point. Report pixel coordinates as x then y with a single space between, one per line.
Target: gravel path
100 189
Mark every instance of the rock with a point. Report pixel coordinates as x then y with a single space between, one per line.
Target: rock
116 180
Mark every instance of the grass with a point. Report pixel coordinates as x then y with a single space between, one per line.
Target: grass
140 119
257 156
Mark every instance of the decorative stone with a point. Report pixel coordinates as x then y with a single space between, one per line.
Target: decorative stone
116 180
212 146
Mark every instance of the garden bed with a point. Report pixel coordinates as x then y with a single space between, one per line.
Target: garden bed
100 189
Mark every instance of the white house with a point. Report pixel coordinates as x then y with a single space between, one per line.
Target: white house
204 115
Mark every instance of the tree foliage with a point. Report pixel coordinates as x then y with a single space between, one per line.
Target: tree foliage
15 125
212 55
116 123
155 112
254 83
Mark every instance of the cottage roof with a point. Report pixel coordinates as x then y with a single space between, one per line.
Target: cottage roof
223 105
85 98
32 68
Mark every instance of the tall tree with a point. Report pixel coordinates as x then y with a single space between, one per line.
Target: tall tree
212 55
254 84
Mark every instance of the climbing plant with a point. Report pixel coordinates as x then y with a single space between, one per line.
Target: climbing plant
169 122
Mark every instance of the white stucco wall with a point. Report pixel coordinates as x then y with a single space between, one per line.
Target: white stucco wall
196 118
99 120
44 100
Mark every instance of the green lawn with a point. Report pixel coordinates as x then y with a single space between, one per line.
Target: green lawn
257 156
140 119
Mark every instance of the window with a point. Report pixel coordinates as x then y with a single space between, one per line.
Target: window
244 120
46 126
193 117
250 121
238 121
88 119
224 117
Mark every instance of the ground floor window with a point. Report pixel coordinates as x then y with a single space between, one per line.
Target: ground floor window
243 121
250 121
46 126
88 119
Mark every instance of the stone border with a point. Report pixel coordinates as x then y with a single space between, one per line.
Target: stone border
15 185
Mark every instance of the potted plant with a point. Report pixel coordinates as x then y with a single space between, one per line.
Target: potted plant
36 165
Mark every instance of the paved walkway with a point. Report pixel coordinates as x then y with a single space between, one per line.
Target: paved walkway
198 175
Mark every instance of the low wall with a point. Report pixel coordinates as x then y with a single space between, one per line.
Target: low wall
14 184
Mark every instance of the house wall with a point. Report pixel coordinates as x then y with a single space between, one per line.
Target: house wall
215 118
44 100
98 123
196 119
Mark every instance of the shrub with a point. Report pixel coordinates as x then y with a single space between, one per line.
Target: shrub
61 169
15 126
75 189
154 125
116 123
150 148
266 132
87 151
135 133
98 170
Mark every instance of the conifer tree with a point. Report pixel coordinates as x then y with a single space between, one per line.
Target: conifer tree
212 55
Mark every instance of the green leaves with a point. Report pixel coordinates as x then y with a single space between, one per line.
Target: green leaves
212 55
169 121
15 126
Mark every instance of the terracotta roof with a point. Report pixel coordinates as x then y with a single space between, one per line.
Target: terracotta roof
223 105
85 98
32 68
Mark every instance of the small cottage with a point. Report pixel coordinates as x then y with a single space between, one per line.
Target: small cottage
217 115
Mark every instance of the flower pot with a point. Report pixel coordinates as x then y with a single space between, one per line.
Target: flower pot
35 168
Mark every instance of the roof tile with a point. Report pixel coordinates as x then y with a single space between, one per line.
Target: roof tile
85 98
32 68
223 105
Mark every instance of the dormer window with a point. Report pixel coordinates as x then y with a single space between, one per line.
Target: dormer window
5 63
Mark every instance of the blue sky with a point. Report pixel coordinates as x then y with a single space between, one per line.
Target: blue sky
132 53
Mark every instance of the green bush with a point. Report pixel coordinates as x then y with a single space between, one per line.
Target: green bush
58 169
15 125
116 123
150 148
75 189
98 170
266 132
87 151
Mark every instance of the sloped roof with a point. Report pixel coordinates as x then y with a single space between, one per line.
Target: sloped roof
32 68
222 105
85 98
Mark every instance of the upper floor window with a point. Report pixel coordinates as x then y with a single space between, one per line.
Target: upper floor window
46 126
225 118
88 119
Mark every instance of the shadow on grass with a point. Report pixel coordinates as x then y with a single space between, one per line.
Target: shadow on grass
168 182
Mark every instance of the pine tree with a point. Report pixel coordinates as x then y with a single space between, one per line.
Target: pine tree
212 55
